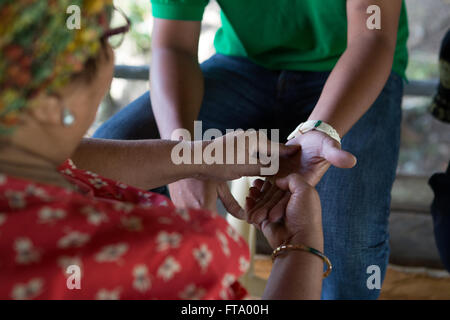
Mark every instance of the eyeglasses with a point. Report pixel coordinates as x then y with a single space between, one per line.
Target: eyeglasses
115 35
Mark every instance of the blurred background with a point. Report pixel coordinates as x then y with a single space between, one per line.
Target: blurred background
425 143
416 271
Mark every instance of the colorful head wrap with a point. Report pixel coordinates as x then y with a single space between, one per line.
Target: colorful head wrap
38 51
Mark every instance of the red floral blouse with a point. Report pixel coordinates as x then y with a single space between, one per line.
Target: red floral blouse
124 243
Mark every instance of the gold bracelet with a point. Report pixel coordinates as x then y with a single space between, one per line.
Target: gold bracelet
302 247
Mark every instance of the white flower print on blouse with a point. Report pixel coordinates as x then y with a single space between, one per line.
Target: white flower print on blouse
47 214
203 256
192 292
67 172
16 199
104 294
25 291
26 253
223 243
183 213
144 201
168 268
126 207
144 195
163 203
132 223
141 280
227 280
244 264
73 239
2 218
94 216
167 240
112 252
92 174
71 164
233 234
37 192
122 185
98 183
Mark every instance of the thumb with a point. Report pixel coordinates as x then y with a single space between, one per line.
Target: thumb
332 152
287 150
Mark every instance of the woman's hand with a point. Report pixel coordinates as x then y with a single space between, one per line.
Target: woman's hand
242 153
295 217
229 157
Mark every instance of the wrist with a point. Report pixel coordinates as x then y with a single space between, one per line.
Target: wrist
312 238
200 169
315 125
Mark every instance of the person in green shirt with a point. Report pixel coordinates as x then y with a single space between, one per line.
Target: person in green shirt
339 64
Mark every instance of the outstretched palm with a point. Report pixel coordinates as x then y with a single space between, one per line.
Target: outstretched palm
318 152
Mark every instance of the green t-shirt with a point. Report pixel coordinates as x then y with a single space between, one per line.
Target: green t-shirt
307 35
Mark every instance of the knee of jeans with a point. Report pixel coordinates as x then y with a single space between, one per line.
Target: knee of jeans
358 273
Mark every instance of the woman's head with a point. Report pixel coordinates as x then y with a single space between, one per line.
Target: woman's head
48 70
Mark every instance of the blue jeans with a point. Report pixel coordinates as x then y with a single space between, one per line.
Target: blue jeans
355 202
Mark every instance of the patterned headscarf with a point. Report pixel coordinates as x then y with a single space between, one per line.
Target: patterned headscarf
39 52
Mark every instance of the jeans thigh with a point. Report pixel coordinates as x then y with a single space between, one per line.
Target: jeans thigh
238 94
356 202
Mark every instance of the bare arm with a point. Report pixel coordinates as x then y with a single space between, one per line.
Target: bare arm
175 78
295 275
177 89
152 163
363 69
296 218
145 164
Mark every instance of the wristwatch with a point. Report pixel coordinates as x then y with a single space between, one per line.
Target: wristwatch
318 125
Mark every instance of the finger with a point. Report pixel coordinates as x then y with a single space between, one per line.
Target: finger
249 203
279 210
287 150
336 156
258 183
254 193
293 182
264 204
229 202
258 216
266 185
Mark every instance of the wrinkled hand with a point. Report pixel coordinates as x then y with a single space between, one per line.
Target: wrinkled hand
294 218
241 155
200 191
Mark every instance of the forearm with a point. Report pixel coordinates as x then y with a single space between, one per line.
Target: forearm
355 82
144 164
296 275
176 90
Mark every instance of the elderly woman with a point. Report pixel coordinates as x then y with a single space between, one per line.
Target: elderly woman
56 218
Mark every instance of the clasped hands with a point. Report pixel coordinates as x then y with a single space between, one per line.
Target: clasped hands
284 206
